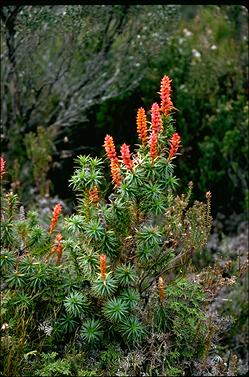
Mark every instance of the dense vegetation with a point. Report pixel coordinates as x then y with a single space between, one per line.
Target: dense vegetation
105 267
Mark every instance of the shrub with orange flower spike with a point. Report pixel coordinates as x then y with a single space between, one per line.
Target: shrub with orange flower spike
125 153
110 147
156 121
102 265
175 142
56 212
165 94
94 195
2 167
142 125
153 145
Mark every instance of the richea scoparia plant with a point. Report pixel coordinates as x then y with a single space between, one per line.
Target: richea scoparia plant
112 276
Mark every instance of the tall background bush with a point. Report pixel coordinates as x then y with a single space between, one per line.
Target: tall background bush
207 60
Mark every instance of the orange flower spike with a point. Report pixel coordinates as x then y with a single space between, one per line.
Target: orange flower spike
142 125
102 265
112 155
165 94
2 167
125 153
58 248
110 147
56 212
115 172
156 121
94 195
153 145
175 142
161 289
58 237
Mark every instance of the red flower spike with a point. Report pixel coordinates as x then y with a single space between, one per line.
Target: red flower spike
156 121
110 147
115 172
56 212
102 265
175 142
165 94
125 153
142 125
153 145
2 167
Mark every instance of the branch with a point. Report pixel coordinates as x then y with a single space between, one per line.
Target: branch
158 261
172 265
10 17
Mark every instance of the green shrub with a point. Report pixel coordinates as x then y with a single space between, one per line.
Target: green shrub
115 273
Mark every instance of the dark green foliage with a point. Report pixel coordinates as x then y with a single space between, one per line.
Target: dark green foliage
88 263
65 324
7 261
21 301
39 278
91 331
75 304
115 309
131 297
148 239
133 330
16 280
125 275
104 287
95 231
